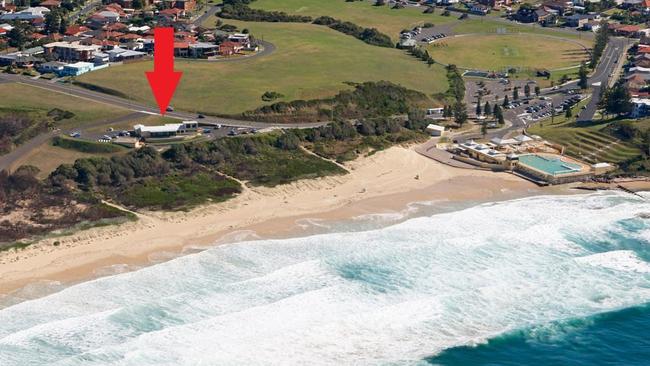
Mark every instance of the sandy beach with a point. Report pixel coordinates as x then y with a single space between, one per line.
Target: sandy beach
382 183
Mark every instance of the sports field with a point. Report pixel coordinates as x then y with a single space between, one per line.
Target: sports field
363 13
497 52
310 62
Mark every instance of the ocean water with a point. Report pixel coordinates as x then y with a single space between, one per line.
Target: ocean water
536 281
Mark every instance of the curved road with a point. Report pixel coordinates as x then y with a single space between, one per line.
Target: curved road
131 105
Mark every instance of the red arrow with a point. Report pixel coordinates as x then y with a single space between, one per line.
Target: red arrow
163 79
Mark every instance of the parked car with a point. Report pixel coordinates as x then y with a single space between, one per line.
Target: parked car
75 134
200 116
170 109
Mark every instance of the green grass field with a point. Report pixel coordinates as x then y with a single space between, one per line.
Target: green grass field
310 62
487 26
25 98
363 13
591 143
499 52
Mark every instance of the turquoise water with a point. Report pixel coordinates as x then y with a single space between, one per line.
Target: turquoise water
553 166
613 338
537 281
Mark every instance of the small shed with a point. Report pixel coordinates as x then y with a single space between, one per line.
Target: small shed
435 130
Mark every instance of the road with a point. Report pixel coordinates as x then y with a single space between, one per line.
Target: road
131 105
90 6
208 13
600 77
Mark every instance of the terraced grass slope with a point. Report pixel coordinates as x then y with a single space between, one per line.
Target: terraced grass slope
310 62
590 143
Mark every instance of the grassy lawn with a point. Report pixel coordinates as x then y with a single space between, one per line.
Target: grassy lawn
363 13
310 62
592 143
24 98
499 52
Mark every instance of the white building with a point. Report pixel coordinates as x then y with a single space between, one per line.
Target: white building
27 14
167 130
641 107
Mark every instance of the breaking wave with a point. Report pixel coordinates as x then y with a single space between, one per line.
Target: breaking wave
395 295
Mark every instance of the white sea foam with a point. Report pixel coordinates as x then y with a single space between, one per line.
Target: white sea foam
392 295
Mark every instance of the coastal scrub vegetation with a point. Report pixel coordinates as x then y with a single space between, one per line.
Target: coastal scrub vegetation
18 126
366 100
29 207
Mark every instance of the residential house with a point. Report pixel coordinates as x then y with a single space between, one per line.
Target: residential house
77 68
627 30
545 16
593 26
181 49
479 9
172 14
187 5
635 83
228 48
580 20
562 7
18 59
119 54
203 50
51 67
495 3
642 60
76 30
50 4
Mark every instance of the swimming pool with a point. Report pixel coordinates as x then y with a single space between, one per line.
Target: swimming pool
553 166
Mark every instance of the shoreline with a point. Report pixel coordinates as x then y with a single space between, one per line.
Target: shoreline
386 182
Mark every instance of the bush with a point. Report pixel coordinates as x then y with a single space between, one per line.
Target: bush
86 146
369 35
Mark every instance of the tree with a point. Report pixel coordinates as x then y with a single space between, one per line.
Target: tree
478 107
515 93
138 4
505 101
568 113
63 25
484 128
498 113
460 113
537 90
527 90
487 110
18 36
602 36
582 75
53 21
616 100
